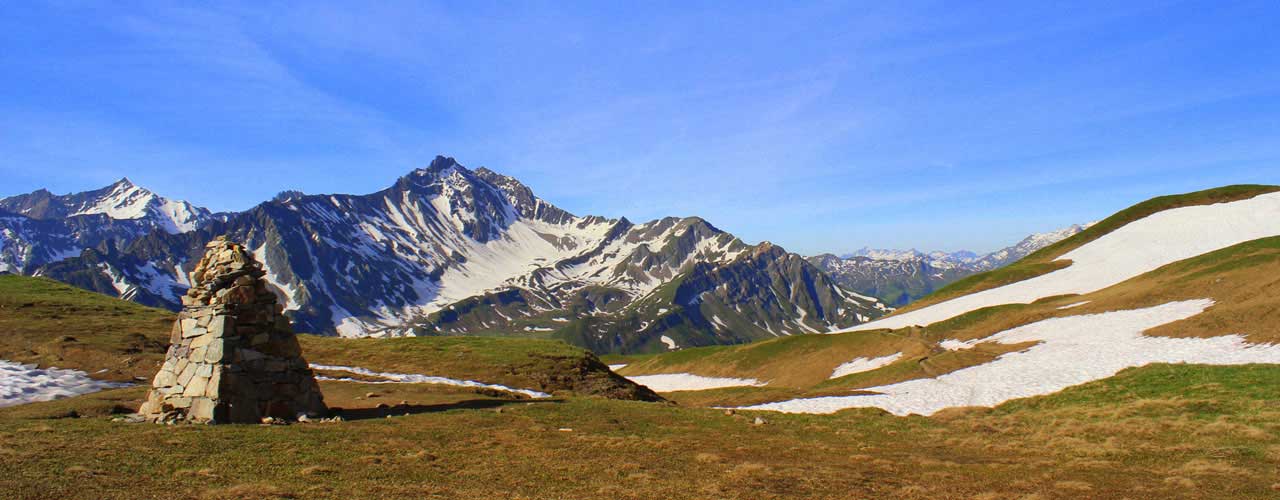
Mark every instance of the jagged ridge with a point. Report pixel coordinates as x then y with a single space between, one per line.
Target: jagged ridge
450 251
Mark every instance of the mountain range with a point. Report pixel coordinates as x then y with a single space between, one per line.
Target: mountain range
899 277
445 250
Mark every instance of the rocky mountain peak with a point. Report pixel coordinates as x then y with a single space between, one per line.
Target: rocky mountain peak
767 249
441 166
121 201
449 250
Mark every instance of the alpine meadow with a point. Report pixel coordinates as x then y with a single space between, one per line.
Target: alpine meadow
820 250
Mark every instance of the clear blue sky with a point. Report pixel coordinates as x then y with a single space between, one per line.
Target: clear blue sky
820 126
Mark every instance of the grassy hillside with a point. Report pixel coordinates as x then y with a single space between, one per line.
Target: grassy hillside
52 324
1162 431
1045 261
1241 279
1156 432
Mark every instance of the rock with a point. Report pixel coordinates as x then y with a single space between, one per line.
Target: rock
196 387
233 356
759 421
371 395
730 412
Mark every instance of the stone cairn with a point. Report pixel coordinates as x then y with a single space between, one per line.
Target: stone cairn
233 357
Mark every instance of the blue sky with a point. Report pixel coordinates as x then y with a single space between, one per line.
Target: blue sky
821 126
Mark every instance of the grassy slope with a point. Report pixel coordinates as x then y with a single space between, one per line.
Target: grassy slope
1045 261
1156 432
53 324
1159 431
1242 280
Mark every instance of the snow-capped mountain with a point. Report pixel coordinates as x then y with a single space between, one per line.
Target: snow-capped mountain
1027 246
120 201
901 276
451 251
39 228
938 257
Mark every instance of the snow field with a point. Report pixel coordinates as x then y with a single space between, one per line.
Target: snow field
1071 351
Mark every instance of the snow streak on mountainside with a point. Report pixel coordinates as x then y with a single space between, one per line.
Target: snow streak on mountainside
447 250
899 277
1133 249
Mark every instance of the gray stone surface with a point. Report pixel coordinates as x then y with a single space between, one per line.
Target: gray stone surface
234 357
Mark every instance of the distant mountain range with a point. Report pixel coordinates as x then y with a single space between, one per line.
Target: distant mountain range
40 228
899 277
444 251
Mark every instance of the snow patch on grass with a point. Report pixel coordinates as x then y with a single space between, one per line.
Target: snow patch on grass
413 378
1069 306
618 366
20 384
671 382
671 343
956 345
1071 351
859 365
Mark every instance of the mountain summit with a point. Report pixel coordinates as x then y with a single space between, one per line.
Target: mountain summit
121 200
41 228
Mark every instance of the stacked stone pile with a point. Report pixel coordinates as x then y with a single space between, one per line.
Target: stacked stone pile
233 356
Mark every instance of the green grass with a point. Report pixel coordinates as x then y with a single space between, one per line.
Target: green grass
1254 253
1161 431
1232 388
943 328
1156 432
53 324
50 323
794 361
544 365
